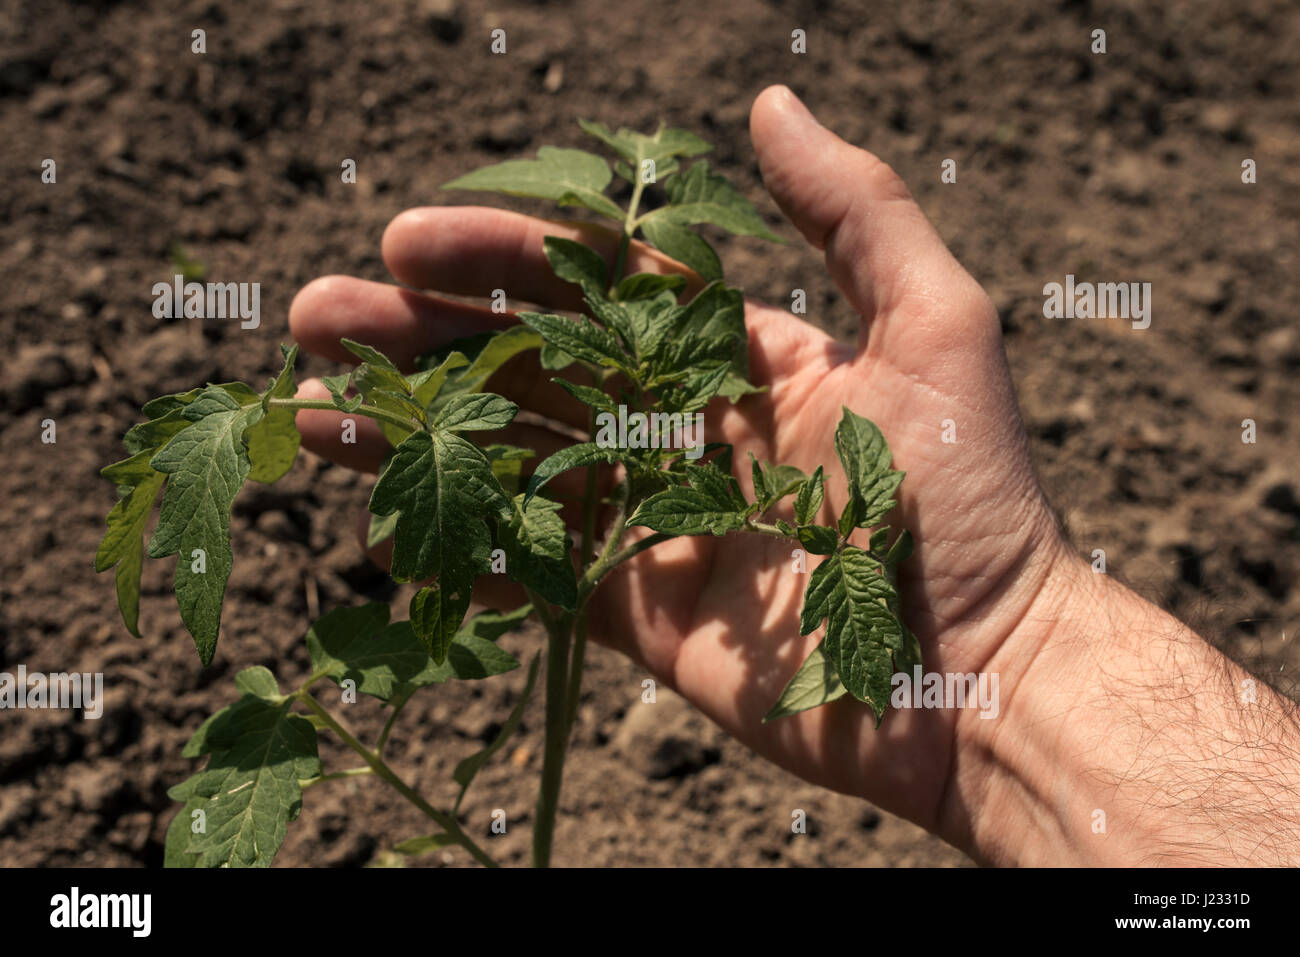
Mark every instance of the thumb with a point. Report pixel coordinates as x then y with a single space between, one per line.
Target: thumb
880 248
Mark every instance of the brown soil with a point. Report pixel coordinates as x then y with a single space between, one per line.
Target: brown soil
1120 167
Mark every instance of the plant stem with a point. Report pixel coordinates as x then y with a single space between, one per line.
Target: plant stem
618 558
630 223
763 528
337 775
557 739
564 677
381 769
612 538
370 411
397 707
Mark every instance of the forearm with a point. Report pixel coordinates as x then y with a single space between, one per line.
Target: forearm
1130 741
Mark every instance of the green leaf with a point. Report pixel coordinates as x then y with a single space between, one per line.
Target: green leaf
553 359
808 503
596 398
642 324
717 311
863 452
387 660
507 463
715 316
687 353
445 491
710 503
569 177
157 431
863 634
381 529
159 407
469 658
358 644
468 768
687 247
475 412
382 385
175 853
422 845
437 613
491 625
813 685
580 338
249 791
123 544
818 539
736 386
758 478
338 384
207 464
371 356
575 456
702 196
647 285
901 550
634 147
537 549
273 440
426 384
487 353
854 509
575 262
773 482
699 387
783 480
258 682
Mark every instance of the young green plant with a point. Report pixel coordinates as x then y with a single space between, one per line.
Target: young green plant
458 506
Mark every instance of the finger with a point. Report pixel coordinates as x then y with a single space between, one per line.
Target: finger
880 248
403 324
472 250
400 323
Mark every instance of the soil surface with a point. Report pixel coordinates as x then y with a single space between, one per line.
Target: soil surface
1123 166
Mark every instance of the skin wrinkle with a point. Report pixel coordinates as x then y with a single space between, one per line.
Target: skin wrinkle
994 581
1189 777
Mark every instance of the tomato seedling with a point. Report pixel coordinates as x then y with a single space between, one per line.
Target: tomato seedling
457 508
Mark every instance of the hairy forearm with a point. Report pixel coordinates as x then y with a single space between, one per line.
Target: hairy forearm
1128 740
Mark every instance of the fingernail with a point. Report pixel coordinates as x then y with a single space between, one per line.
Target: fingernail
796 105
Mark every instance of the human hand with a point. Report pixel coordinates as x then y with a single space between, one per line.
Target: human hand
717 619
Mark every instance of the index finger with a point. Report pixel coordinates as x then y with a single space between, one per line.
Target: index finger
474 250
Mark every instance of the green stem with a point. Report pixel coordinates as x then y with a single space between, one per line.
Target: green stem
763 528
612 538
370 411
397 707
630 223
557 738
564 677
381 769
336 776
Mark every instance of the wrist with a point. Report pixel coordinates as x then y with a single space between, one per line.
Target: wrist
1125 739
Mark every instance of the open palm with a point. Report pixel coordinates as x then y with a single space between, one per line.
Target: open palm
718 619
